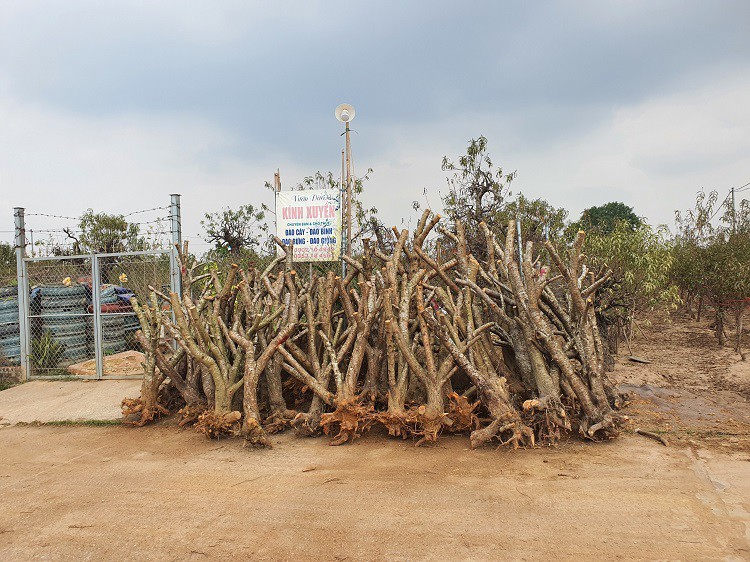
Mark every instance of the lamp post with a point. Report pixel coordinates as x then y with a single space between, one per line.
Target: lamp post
345 113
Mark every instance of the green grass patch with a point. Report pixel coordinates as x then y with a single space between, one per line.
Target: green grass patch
73 423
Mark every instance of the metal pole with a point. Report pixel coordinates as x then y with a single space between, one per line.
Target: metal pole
343 210
734 215
96 304
23 291
175 216
348 193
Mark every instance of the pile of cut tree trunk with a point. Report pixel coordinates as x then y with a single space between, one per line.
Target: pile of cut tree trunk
418 337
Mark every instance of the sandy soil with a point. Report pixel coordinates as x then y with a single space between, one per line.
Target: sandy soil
693 391
164 494
161 493
685 355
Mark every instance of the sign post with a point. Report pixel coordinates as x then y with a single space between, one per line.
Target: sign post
312 221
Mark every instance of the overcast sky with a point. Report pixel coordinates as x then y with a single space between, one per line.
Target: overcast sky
115 105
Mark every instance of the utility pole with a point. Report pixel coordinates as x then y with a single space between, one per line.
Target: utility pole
734 215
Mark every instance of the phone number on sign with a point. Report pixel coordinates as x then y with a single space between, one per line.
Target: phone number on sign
319 253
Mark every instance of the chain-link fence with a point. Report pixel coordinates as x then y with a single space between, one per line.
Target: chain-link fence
123 277
79 316
10 340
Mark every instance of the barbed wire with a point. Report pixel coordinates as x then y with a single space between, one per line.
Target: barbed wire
51 216
147 210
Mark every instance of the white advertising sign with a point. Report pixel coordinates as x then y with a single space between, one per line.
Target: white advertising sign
311 220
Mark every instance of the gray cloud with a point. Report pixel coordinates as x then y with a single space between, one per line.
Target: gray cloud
538 79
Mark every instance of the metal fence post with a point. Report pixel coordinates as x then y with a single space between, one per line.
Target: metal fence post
174 270
96 303
23 290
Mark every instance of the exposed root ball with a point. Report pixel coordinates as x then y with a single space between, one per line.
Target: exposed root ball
605 428
254 434
508 432
461 412
396 424
190 413
547 418
307 425
414 423
214 425
139 414
278 422
351 419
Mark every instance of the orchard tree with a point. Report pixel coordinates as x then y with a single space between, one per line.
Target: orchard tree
713 260
641 260
479 192
540 221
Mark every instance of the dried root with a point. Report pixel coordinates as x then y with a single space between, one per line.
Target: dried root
397 424
279 421
139 414
426 428
214 425
190 413
307 424
605 428
351 419
548 419
508 432
461 412
255 435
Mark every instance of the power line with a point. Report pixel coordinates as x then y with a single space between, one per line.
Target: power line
719 207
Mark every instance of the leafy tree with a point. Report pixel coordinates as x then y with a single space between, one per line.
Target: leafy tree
477 191
605 218
104 233
539 220
7 263
234 231
695 234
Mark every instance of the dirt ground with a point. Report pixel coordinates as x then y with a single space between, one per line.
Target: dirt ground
161 493
692 391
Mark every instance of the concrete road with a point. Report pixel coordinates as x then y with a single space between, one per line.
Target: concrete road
46 401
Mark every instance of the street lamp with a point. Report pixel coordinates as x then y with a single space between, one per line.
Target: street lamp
345 113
